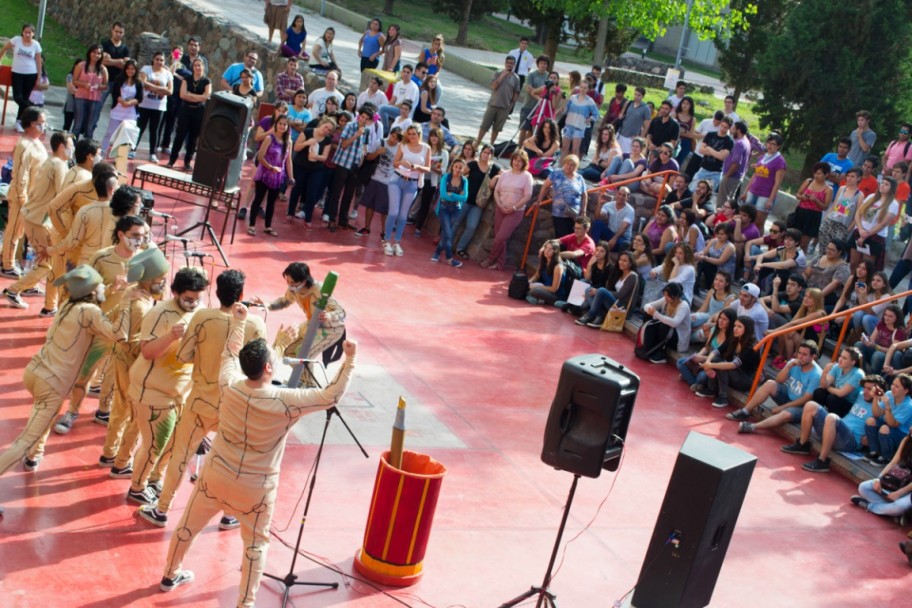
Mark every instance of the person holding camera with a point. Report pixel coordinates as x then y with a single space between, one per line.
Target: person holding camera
241 474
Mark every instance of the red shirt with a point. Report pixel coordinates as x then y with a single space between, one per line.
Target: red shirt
587 246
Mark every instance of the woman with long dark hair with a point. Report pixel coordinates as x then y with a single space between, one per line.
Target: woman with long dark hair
158 83
272 173
549 280
195 92
392 49
454 190
872 222
734 365
127 94
27 66
691 367
294 39
370 45
673 311
615 293
875 498
428 96
684 115
90 79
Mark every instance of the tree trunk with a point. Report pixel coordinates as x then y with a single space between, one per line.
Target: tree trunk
553 35
388 7
598 56
736 93
463 32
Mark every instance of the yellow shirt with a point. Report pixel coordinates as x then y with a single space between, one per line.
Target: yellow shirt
62 207
110 266
28 156
202 345
48 183
92 229
68 342
254 422
162 382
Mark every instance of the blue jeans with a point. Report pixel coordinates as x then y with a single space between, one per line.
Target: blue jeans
471 214
626 167
601 232
593 172
602 301
388 114
401 194
883 443
879 505
866 321
689 377
449 219
86 113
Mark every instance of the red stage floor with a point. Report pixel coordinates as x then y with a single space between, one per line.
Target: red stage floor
479 371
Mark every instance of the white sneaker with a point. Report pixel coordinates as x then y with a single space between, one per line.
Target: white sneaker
387 249
19 128
65 423
154 159
301 215
325 217
353 214
397 249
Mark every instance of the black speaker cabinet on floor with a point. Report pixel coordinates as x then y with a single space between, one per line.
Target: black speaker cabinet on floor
695 525
589 416
219 150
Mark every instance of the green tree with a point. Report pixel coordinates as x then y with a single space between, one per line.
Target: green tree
708 18
464 12
814 81
739 51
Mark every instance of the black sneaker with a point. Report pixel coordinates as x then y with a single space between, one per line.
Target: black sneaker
738 415
229 523
463 254
817 466
44 313
144 497
31 292
101 418
879 461
30 465
858 501
155 487
720 402
584 320
106 462
871 456
14 299
94 390
362 232
10 273
170 584
596 323
797 448
746 428
658 359
153 516
242 213
703 391
121 472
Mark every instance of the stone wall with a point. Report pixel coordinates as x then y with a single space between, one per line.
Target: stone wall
222 41
652 78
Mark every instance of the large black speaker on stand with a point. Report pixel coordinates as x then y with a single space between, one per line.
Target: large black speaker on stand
220 152
695 524
585 433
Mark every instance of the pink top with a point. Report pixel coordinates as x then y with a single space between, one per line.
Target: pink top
820 196
512 187
94 93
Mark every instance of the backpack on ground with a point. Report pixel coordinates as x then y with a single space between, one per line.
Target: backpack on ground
652 336
519 286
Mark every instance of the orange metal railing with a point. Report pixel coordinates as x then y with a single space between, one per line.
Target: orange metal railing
767 342
533 209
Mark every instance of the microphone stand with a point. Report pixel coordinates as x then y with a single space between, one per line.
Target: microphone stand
291 579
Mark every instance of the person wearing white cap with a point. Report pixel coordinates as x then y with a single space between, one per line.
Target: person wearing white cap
51 373
747 304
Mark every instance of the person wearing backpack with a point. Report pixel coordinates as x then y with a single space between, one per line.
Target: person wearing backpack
898 150
671 310
578 247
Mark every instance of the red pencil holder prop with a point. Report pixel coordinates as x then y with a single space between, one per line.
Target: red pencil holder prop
400 518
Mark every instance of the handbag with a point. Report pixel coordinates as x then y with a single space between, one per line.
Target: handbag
896 478
519 286
616 317
485 193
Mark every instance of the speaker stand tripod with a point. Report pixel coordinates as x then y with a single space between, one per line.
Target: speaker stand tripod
291 579
205 225
545 597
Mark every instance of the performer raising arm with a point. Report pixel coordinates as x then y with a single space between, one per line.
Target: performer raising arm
241 474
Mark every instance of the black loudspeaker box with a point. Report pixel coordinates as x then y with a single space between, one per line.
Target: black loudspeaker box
588 421
220 149
695 524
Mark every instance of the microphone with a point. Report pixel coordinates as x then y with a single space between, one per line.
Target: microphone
171 239
252 304
154 213
197 254
295 361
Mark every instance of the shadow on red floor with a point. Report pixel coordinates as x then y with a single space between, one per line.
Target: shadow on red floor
479 372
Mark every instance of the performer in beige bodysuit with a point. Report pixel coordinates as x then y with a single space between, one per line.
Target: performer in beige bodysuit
241 473
28 156
304 291
38 227
148 271
50 374
202 346
159 381
93 225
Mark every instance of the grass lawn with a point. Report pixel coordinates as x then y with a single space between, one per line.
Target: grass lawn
60 49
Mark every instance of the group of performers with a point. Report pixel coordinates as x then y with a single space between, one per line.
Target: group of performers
170 371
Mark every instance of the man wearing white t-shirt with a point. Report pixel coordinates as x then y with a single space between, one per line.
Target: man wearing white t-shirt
706 126
372 93
318 98
404 90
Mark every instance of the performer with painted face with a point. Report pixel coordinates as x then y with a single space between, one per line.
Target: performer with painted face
159 381
51 373
241 474
202 347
